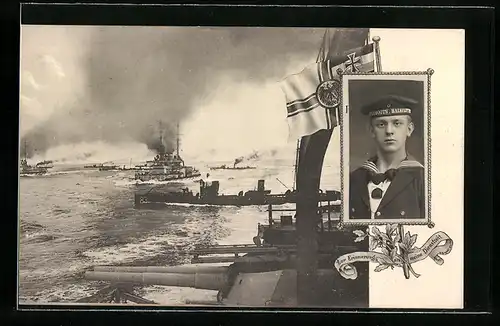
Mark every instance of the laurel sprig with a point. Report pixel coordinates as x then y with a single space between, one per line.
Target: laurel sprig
395 249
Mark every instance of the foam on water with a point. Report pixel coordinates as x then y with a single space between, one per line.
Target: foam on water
178 237
241 227
177 296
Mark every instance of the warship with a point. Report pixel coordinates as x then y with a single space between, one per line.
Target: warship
209 195
93 166
45 164
108 166
166 166
29 170
234 167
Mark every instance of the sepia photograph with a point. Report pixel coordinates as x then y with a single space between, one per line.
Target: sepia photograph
167 166
386 148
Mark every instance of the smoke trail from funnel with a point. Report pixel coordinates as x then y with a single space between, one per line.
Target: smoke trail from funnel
137 76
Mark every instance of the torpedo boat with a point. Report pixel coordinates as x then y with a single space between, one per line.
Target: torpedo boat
209 195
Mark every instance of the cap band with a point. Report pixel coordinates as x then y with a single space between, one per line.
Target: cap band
391 111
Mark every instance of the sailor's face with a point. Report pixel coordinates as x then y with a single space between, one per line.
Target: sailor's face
390 132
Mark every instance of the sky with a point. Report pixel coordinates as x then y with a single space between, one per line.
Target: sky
97 93
88 84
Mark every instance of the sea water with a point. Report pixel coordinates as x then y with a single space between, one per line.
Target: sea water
70 221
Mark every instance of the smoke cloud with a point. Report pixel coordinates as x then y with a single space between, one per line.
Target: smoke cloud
114 84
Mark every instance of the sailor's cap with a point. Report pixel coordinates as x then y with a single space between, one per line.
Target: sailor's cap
389 105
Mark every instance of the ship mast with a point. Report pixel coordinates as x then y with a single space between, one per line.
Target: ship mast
160 131
178 140
25 151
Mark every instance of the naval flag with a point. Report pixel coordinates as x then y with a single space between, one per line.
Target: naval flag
313 95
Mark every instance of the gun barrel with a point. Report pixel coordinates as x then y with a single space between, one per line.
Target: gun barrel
163 269
213 259
203 302
209 281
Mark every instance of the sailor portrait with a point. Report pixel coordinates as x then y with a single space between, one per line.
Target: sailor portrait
390 184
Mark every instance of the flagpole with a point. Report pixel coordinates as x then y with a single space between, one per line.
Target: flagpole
321 52
376 40
310 155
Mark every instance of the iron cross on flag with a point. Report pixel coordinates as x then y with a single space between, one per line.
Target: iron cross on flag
353 63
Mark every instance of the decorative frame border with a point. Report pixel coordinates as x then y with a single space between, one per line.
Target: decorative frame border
427 188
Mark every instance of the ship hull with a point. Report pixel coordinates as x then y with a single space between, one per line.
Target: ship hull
33 172
108 169
162 177
159 200
156 199
29 170
242 168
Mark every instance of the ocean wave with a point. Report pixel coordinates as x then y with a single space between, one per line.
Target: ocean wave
69 293
177 240
25 226
39 237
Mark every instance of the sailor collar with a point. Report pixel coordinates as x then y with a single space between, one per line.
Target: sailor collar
404 164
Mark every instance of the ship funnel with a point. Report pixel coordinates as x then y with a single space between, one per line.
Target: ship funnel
261 185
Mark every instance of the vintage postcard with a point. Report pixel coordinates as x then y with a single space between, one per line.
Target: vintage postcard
241 167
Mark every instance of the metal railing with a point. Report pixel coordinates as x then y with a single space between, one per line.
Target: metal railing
329 208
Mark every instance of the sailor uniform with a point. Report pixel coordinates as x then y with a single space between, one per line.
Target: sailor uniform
399 195
396 194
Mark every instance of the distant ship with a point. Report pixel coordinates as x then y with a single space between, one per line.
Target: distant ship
166 166
27 169
45 164
108 166
39 169
234 167
93 166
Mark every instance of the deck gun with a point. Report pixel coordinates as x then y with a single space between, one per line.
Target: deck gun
259 274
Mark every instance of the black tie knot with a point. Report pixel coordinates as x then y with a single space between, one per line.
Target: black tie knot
377 178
